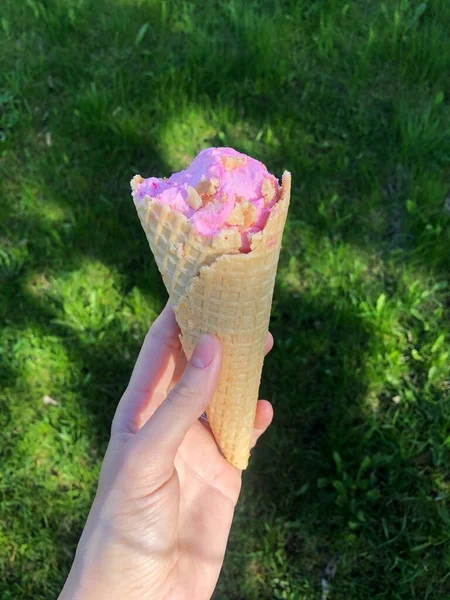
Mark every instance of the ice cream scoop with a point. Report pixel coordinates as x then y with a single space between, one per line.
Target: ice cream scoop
222 189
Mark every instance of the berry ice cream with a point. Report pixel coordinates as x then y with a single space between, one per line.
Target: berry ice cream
222 189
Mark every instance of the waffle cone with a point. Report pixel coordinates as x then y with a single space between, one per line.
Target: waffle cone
214 288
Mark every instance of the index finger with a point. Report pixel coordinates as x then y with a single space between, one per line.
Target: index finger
151 375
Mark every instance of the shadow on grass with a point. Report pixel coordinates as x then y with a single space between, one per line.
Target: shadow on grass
316 378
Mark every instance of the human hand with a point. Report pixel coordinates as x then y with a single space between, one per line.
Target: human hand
159 524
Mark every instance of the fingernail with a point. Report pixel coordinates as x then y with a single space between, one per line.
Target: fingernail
203 352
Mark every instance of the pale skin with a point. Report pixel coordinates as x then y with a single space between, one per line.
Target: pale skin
160 521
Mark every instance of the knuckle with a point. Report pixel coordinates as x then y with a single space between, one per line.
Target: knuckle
181 394
156 334
139 478
139 471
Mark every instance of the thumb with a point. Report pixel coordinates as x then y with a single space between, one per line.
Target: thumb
185 403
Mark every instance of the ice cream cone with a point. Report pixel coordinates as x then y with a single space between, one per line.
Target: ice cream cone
216 289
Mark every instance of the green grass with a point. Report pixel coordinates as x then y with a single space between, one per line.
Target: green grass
352 484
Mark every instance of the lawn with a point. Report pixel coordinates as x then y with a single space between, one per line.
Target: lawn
348 495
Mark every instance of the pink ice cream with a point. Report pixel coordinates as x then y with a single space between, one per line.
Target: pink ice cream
221 189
